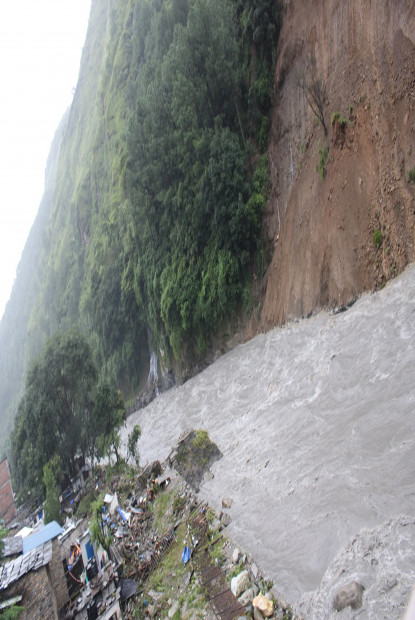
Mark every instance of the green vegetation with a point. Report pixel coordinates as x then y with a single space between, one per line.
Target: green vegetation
341 120
132 448
63 410
150 227
179 503
85 506
187 183
52 507
377 238
411 175
165 579
323 152
197 449
96 526
162 517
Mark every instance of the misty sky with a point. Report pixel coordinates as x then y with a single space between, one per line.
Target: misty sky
40 51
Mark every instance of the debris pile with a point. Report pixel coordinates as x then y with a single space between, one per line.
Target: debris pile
153 550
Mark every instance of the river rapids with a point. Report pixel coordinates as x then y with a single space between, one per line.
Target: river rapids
315 421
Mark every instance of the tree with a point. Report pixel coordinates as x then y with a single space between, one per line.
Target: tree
53 408
187 184
132 448
109 414
315 92
52 508
98 528
3 534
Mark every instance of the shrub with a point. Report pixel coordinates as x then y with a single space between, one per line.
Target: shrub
323 151
263 134
85 505
377 238
411 175
342 121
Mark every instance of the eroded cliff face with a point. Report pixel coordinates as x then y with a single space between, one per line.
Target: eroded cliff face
322 229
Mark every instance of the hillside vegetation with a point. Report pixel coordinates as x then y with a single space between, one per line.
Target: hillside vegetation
194 197
150 228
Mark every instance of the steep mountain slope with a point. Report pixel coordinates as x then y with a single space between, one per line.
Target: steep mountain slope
322 230
156 210
151 234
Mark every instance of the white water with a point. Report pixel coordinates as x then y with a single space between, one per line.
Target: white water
316 425
153 376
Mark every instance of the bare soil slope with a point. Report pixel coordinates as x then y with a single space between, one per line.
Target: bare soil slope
322 229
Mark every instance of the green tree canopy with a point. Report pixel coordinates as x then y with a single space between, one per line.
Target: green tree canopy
61 411
51 475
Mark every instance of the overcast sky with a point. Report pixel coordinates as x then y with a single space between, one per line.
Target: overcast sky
40 51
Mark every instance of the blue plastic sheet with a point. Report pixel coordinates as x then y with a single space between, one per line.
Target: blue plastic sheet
186 555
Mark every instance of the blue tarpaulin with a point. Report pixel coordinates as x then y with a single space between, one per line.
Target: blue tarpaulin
186 555
50 531
122 514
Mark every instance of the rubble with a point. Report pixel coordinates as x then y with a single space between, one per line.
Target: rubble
168 553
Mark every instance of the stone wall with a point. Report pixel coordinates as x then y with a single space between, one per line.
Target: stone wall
38 596
57 576
7 507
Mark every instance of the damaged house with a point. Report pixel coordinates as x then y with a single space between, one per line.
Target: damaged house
36 577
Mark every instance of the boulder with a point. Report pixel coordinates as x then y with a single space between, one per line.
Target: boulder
249 611
349 596
227 502
240 583
226 518
247 597
235 555
265 606
173 609
257 614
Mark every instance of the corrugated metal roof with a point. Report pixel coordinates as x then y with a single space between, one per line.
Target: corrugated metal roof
49 532
13 545
33 560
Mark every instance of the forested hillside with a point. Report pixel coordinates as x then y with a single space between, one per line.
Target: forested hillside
149 232
14 341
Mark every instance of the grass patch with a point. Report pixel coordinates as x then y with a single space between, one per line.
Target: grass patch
236 571
323 152
170 580
179 504
377 238
162 504
195 455
85 505
411 175
341 120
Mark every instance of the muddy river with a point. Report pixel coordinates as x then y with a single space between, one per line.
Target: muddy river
315 422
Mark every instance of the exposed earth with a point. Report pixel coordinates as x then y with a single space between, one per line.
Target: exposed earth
321 230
